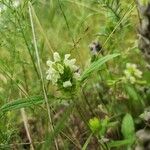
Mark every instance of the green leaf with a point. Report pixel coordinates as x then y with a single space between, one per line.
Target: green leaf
95 66
22 102
120 143
87 142
104 126
95 124
132 93
136 99
58 128
127 127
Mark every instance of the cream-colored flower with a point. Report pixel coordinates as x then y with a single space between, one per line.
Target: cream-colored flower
57 69
132 73
70 62
49 63
50 71
127 73
76 75
132 80
131 66
56 57
138 73
67 56
48 77
55 78
67 84
52 75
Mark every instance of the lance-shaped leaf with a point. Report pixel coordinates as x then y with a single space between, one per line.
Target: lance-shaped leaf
95 66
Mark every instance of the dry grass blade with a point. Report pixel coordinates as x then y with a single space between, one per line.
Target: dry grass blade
41 74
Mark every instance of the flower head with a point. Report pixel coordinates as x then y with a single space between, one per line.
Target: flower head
56 57
138 73
132 73
49 63
67 84
77 75
62 72
52 75
95 47
70 62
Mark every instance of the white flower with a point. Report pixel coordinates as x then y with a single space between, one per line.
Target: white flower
67 84
67 56
49 63
131 66
132 80
56 57
127 73
70 62
76 75
57 69
55 78
52 75
66 60
138 73
48 77
50 71
132 73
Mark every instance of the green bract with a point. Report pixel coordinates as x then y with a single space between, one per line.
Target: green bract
95 124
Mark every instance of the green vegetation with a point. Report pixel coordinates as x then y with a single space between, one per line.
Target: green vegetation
72 75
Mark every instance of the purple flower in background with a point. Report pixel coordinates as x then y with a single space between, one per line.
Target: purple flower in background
95 47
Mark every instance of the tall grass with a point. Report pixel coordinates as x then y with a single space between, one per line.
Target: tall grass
101 110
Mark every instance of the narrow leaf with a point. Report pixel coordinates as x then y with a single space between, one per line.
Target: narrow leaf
120 143
22 103
58 128
87 142
95 66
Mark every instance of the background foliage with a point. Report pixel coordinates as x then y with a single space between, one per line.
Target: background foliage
69 26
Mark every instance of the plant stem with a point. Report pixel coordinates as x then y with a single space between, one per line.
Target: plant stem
41 74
